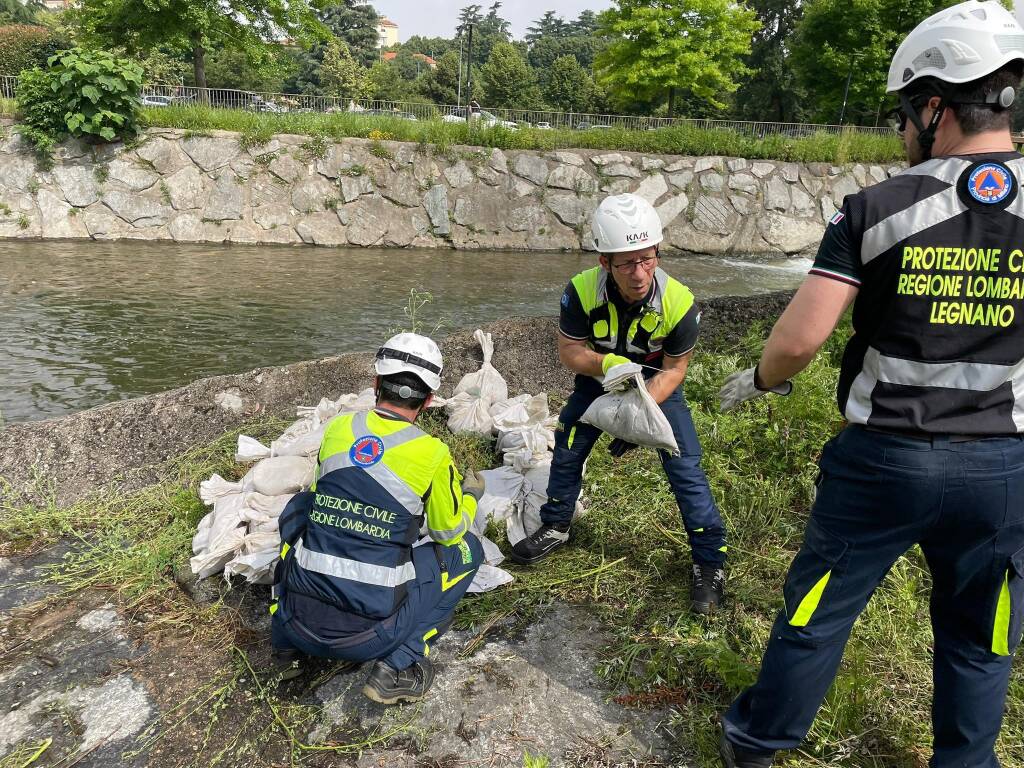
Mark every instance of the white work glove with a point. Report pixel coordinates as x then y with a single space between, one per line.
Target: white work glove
473 485
620 374
740 387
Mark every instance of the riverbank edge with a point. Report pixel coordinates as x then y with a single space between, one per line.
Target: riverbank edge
126 445
224 187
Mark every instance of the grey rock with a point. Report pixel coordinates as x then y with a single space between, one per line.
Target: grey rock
669 210
622 170
370 221
530 218
435 202
100 620
817 169
708 164
828 208
245 232
789 234
337 162
271 216
70 149
131 175
54 217
265 189
844 185
713 216
894 170
712 182
744 182
570 209
210 153
402 230
136 209
876 173
459 175
652 188
803 204
682 180
762 169
164 155
568 158
651 163
77 183
110 712
572 177
617 186
737 164
790 172
519 188
497 161
531 168
227 200
354 187
230 400
186 228
462 214
16 171
314 194
321 229
811 182
101 224
860 174
287 168
488 175
402 188
187 188
612 158
685 164
744 205
776 195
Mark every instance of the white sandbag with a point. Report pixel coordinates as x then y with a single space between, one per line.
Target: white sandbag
257 557
492 555
261 507
280 475
525 518
632 416
250 449
300 445
483 387
488 578
222 537
216 487
502 488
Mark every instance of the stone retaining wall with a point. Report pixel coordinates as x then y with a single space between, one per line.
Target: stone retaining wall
176 185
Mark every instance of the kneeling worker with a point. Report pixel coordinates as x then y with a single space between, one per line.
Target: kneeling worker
350 585
629 310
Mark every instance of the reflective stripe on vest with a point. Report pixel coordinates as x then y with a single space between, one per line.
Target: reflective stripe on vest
353 570
380 472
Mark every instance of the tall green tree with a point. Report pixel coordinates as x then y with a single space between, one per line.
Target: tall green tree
508 81
569 88
441 84
837 39
488 30
341 75
17 12
660 48
198 26
772 91
355 23
548 25
585 24
387 84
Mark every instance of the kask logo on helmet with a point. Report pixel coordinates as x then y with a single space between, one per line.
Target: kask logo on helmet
636 237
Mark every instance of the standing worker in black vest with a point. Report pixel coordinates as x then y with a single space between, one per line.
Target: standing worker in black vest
932 384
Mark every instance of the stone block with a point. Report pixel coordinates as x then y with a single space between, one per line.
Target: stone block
744 182
530 217
669 210
611 158
187 188
844 185
708 164
568 158
790 172
744 205
803 204
762 169
682 180
572 177
737 164
77 183
811 182
860 175
711 181
186 228
435 202
227 199
570 209
713 216
459 175
131 175
136 209
210 153
621 170
164 155
314 194
789 234
401 188
370 219
651 164
652 188
272 216
776 195
54 217
685 164
497 161
531 168
828 208
16 172
321 229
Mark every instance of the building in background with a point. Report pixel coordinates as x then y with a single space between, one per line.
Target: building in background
387 32
390 56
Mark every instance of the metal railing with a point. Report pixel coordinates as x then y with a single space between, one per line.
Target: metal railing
157 95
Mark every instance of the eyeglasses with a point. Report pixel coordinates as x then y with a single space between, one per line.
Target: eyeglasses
647 263
897 116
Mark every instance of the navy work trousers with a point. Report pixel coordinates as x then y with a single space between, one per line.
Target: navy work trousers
574 440
879 495
402 639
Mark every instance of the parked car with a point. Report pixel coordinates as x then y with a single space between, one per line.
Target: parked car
156 101
543 125
488 119
258 104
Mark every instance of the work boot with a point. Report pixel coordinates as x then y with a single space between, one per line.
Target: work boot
540 544
387 685
287 663
708 587
734 757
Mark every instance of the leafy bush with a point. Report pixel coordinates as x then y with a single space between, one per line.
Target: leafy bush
23 46
81 93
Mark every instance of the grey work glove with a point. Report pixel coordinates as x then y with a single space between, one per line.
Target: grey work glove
619 447
740 387
473 485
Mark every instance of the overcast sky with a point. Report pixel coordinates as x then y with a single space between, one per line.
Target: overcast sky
437 18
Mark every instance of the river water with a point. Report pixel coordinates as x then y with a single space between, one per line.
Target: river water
86 323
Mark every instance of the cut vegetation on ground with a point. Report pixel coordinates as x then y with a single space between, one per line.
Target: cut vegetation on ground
629 564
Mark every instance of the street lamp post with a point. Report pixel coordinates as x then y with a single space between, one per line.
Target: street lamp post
846 91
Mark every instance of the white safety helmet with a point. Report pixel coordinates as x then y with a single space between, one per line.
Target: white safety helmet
957 45
411 353
625 223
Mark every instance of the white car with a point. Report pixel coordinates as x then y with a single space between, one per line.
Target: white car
487 118
543 125
156 101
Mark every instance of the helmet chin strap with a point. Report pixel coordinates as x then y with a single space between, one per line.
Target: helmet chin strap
926 134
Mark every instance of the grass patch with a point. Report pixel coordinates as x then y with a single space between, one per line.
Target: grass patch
850 146
630 563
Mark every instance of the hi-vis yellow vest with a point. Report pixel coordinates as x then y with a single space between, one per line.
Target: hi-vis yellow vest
646 333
